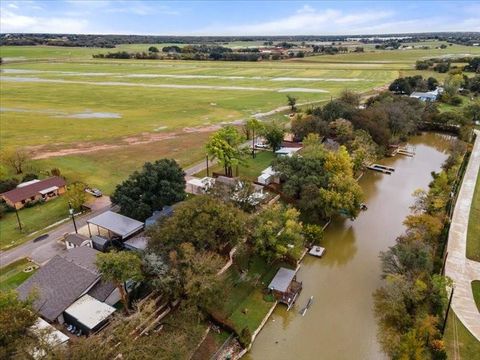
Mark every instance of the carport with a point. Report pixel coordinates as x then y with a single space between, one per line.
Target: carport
115 224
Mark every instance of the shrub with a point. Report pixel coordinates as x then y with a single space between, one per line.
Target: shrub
245 337
29 177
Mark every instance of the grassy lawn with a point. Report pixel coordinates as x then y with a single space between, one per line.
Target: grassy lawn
251 169
244 304
32 219
476 292
12 276
460 344
473 238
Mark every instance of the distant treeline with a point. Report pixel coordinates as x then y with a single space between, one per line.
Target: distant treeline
442 65
110 41
200 52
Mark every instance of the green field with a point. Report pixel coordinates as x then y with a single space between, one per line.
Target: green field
476 292
460 343
33 218
12 276
100 119
473 238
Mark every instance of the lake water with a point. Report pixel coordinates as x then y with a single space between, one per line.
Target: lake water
340 324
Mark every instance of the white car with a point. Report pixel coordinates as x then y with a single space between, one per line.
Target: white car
261 146
95 192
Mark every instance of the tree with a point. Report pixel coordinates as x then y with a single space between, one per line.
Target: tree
224 145
472 111
16 159
254 126
321 182
401 86
206 222
278 234
350 97
29 177
154 186
336 109
185 272
8 184
76 195
341 130
55 172
304 124
153 49
16 316
120 267
273 135
292 101
362 149
452 85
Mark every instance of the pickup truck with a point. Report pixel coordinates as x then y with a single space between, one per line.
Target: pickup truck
95 192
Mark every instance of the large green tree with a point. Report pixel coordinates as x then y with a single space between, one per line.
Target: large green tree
154 186
120 267
321 182
273 134
278 234
255 127
224 145
206 222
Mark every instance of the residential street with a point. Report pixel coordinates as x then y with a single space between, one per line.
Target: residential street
43 250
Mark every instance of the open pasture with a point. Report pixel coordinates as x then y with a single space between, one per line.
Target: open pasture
99 119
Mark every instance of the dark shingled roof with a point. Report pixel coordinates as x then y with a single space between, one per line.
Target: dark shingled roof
63 280
25 192
76 239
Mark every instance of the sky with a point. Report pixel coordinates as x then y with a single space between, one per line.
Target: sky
238 17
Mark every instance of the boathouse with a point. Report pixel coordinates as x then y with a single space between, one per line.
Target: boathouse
285 286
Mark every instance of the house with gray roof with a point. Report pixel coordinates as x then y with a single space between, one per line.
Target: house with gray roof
64 280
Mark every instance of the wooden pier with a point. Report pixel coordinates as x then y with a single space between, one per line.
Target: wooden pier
381 168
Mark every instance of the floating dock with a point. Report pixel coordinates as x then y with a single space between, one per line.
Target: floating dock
317 251
381 168
406 152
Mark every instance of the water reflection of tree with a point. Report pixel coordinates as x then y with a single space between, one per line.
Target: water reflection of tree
341 247
439 141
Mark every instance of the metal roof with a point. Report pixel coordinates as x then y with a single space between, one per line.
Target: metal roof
89 311
282 280
31 188
117 223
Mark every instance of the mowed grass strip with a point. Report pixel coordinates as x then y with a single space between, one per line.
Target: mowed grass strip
33 219
460 343
476 292
473 234
13 275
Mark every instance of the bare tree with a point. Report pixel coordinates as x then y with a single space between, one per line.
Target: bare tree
16 159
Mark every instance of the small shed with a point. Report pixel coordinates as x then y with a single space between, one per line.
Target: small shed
77 240
268 176
115 225
285 287
198 186
88 314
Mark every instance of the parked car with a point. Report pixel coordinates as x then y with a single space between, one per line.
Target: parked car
261 146
95 192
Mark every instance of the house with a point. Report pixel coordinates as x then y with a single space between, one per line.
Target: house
427 96
167 211
111 225
77 240
285 286
66 279
34 190
268 176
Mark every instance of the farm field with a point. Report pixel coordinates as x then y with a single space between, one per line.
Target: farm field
100 119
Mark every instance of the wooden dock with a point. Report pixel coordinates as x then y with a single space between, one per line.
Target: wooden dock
381 168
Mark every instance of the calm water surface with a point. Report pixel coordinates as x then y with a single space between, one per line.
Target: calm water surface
340 324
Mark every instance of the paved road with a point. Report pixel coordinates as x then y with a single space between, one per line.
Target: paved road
43 250
460 269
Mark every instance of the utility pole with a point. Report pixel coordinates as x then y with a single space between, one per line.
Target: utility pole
448 309
72 211
18 218
206 156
